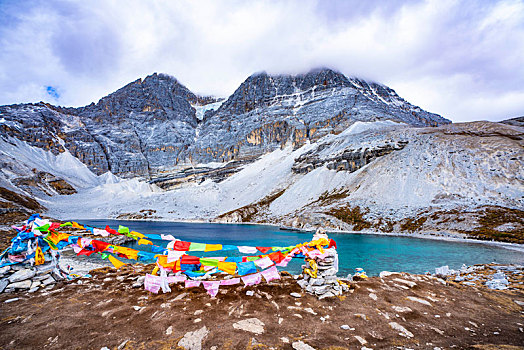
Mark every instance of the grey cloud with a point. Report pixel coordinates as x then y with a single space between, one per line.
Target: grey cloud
462 59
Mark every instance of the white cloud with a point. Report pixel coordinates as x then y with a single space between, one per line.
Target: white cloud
462 59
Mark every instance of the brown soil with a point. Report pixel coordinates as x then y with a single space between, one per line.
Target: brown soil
20 199
99 312
5 239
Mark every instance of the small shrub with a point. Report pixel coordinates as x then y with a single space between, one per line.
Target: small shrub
353 216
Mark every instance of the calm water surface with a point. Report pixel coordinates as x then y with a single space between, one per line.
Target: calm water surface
373 253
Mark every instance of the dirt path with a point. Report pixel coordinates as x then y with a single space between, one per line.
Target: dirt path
105 311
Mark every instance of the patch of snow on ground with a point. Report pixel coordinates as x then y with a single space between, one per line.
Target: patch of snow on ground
308 188
211 165
270 173
203 201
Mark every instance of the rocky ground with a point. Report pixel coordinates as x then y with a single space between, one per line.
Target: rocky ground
397 311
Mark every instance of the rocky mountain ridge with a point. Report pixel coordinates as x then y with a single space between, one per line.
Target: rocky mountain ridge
150 129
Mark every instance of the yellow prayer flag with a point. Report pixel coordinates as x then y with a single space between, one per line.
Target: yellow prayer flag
229 267
138 234
39 256
213 247
77 225
57 237
144 241
128 252
116 263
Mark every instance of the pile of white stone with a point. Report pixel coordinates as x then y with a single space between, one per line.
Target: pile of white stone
326 283
24 277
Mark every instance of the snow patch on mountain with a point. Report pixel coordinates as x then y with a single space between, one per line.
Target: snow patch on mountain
359 127
200 111
63 165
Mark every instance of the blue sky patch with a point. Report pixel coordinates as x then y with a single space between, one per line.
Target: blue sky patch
51 91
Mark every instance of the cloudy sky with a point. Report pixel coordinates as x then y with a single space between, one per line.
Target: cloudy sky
461 59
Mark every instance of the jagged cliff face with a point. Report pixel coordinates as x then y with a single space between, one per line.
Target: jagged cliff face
268 111
142 128
150 129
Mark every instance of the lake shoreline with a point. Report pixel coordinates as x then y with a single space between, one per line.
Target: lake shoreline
438 236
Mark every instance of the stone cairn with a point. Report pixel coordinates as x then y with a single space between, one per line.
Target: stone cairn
325 284
29 277
26 277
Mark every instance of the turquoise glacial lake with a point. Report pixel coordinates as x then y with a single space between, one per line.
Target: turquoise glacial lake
373 253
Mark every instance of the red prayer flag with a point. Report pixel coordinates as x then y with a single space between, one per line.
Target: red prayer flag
85 252
276 257
54 226
189 260
264 249
181 246
332 243
111 231
99 246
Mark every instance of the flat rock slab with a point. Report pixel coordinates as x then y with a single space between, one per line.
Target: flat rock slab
21 285
411 284
300 345
21 275
419 300
193 340
3 284
253 325
361 340
401 309
48 281
402 331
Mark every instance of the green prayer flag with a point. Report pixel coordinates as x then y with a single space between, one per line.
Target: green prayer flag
123 229
209 262
66 224
197 247
43 228
251 258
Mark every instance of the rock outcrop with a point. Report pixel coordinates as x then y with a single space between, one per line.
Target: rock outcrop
349 160
519 121
28 278
266 112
